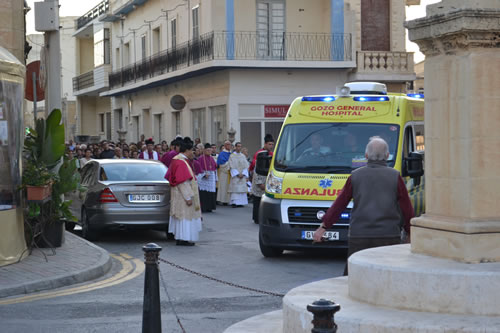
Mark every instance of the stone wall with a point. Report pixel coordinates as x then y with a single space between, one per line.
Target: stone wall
12 27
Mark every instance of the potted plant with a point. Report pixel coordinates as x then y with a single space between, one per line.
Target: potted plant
37 181
45 165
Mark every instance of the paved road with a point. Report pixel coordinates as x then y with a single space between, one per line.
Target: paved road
228 250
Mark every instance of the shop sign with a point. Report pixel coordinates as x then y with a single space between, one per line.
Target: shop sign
275 111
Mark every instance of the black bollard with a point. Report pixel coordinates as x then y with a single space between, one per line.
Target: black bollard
151 311
323 312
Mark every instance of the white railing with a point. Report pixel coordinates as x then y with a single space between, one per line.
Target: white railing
385 62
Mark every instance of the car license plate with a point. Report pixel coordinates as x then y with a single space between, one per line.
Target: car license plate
329 235
144 198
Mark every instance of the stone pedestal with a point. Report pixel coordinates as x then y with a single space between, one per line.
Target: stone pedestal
461 41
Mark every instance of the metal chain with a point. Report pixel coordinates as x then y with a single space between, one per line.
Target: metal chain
221 281
170 301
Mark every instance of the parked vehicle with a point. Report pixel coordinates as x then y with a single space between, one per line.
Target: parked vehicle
322 141
122 193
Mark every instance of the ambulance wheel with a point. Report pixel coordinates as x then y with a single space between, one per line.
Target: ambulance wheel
269 251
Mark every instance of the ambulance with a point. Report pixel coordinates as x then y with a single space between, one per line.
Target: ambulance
323 139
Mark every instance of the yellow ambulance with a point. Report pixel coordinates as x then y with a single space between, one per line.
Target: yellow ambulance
322 141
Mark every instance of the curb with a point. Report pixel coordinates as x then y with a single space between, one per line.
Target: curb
92 272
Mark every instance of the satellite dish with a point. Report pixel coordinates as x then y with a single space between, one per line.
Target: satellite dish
178 102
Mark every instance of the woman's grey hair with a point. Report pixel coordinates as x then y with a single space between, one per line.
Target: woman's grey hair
377 149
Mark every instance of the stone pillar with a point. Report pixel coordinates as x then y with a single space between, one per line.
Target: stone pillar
461 42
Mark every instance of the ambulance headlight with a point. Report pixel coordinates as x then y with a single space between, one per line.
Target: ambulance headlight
344 91
274 184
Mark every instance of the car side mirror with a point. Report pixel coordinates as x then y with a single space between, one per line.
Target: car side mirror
414 167
263 163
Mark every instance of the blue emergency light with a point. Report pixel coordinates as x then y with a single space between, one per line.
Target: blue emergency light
421 96
318 99
371 98
345 216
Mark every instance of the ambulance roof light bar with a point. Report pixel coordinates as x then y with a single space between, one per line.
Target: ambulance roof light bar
326 99
367 88
421 96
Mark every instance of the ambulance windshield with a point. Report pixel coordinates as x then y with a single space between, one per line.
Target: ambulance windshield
330 148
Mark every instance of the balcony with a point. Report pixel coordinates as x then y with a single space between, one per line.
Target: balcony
243 49
92 14
384 66
93 82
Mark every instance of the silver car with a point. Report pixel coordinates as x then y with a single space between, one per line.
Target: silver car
122 193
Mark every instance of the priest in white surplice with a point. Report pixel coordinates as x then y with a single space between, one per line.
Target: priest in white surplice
238 189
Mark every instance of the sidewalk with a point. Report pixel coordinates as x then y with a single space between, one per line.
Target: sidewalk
74 262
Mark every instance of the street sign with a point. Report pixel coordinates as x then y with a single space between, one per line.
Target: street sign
33 67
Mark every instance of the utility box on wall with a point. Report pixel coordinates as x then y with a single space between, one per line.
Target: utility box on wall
46 16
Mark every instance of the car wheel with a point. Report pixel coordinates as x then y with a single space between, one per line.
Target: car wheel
87 231
70 226
269 251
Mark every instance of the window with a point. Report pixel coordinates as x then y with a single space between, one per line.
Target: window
146 122
88 174
126 54
119 117
135 127
330 147
196 22
177 123
270 28
173 32
118 59
101 122
143 47
108 125
11 142
219 127
133 172
102 48
158 127
198 121
156 40
419 137
408 146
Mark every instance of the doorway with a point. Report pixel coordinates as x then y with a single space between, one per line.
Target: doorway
271 29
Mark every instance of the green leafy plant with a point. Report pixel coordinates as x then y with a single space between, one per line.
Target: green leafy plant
67 180
36 175
45 163
45 143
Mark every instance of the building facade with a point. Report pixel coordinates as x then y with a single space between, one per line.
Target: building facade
93 65
210 69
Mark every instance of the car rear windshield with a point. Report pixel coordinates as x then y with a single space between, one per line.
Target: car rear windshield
133 172
330 147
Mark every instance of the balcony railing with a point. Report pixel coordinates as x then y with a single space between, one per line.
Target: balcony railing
238 46
385 62
94 81
83 81
95 12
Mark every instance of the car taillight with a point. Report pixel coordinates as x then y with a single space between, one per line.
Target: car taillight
107 196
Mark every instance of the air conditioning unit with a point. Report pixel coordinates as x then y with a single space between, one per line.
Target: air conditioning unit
46 16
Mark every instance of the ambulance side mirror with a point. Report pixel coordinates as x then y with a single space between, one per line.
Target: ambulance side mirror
414 167
263 163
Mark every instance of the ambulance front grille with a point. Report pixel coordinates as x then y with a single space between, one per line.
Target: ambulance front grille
306 215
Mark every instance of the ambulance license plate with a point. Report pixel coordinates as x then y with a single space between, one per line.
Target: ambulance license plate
329 235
